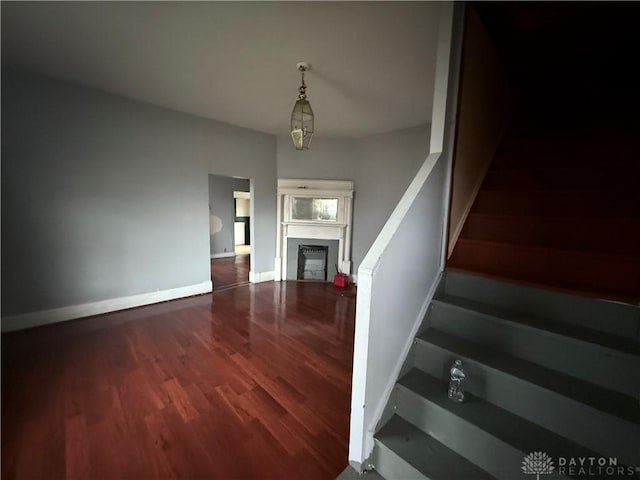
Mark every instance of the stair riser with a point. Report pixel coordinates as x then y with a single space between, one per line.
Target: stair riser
553 158
586 361
577 153
609 317
555 204
564 416
554 178
616 277
392 466
488 452
586 234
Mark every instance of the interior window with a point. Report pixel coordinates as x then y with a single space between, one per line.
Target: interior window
315 209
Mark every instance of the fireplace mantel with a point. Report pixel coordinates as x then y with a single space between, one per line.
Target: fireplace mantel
338 228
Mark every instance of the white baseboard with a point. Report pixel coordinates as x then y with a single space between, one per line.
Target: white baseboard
223 255
259 277
44 317
277 269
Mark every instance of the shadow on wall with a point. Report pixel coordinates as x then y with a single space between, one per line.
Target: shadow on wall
486 105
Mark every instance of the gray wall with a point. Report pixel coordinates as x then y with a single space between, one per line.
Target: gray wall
387 164
327 159
382 166
222 205
104 197
239 152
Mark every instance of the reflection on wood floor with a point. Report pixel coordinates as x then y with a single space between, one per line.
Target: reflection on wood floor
247 383
230 271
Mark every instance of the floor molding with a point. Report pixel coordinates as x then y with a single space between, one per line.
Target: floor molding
44 317
223 255
259 277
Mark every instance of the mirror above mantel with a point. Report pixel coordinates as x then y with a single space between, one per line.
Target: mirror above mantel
314 210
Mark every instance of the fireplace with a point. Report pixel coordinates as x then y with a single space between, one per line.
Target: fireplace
293 255
312 262
313 213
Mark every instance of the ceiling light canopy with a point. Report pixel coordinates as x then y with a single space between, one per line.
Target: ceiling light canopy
302 115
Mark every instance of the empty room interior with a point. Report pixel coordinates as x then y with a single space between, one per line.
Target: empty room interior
320 240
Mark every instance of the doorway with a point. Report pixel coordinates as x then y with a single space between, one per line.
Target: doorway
229 230
242 225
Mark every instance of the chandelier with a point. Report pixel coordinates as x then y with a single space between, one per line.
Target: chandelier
302 115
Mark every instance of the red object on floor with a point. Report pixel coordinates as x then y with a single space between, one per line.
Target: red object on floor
341 280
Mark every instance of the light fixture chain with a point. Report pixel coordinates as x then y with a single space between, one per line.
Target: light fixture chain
303 88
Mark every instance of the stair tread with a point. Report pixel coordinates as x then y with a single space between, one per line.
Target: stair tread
605 275
518 295
512 429
572 331
557 250
554 286
566 203
600 167
426 454
564 192
559 191
507 160
586 234
613 403
543 218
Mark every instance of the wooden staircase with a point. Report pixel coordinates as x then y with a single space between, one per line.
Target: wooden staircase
550 368
547 372
559 210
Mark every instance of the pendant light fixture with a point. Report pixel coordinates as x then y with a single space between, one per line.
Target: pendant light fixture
302 115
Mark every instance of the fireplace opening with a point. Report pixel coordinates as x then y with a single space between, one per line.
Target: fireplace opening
312 262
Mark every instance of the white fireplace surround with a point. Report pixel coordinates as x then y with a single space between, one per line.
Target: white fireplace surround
289 227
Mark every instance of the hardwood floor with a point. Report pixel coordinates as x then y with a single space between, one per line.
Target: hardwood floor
247 383
230 271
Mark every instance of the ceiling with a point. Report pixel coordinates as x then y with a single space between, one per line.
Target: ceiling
372 62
